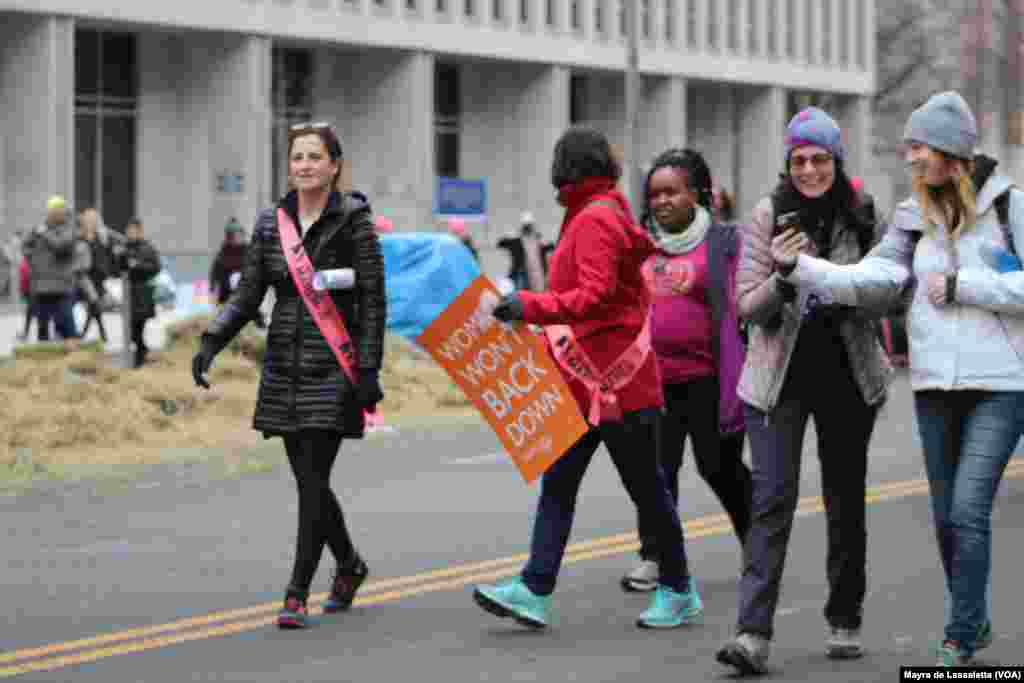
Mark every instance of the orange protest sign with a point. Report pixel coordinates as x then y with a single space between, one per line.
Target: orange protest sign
506 372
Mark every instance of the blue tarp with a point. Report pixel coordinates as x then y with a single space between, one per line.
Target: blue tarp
424 272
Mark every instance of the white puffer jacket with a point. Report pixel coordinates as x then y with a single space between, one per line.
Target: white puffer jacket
975 343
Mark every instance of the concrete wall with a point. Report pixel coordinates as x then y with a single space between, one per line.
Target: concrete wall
423 30
761 125
37 89
207 119
512 117
712 129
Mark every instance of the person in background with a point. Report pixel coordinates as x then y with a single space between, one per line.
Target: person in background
25 289
141 261
457 227
101 266
528 262
696 338
50 250
226 271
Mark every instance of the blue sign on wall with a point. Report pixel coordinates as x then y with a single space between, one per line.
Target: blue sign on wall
458 197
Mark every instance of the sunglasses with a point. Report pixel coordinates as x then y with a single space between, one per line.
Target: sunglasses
818 161
331 138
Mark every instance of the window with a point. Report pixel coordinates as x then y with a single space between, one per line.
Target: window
106 104
692 23
645 18
469 8
844 34
753 27
549 12
771 49
524 11
791 37
810 16
447 120
574 15
826 31
599 26
860 35
577 98
670 21
623 20
734 25
712 39
497 10
291 101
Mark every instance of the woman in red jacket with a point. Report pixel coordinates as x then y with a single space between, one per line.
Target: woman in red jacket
596 287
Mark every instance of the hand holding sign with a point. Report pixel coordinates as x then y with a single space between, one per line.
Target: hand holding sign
506 372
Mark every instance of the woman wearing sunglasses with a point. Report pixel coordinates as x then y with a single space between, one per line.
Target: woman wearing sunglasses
806 359
323 353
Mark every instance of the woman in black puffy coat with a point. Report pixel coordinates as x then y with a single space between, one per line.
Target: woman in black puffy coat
304 395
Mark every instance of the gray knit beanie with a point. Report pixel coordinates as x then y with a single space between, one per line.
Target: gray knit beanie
945 123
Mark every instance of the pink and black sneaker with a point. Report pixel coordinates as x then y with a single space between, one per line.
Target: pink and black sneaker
294 614
343 588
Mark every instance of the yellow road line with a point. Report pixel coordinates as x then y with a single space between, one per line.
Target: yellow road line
401 587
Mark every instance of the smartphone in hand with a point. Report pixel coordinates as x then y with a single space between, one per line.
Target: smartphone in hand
787 221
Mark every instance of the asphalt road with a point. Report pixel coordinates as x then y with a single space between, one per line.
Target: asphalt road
179 577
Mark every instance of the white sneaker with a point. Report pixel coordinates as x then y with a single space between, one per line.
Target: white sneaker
641 579
843 643
747 653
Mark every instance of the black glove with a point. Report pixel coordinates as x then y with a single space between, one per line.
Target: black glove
510 308
201 363
368 391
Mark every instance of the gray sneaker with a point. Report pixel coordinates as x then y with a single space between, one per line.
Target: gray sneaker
643 578
843 643
747 653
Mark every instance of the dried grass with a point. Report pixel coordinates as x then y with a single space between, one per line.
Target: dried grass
77 409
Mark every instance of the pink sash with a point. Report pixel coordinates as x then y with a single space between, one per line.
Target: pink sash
604 404
319 304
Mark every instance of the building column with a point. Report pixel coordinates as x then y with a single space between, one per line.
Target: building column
761 123
203 136
663 117
382 104
37 73
855 119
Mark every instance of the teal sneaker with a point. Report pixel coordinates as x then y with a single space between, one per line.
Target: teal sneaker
985 636
513 599
950 655
670 609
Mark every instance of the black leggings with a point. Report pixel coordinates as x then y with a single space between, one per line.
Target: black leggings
311 454
692 410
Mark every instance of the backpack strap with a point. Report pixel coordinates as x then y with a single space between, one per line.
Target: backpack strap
1002 203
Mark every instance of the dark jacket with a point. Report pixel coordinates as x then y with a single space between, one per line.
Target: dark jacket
302 386
224 267
142 263
50 252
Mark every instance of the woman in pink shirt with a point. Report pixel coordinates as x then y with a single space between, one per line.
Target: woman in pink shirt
695 335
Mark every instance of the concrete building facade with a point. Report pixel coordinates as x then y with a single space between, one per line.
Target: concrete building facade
177 112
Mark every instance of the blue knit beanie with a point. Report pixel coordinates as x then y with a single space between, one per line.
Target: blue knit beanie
945 123
812 126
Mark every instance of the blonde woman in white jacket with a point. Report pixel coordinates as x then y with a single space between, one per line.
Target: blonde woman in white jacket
966 333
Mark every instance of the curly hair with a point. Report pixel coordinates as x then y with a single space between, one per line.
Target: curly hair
698 174
583 152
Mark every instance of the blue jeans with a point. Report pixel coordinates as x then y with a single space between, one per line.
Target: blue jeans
968 438
634 447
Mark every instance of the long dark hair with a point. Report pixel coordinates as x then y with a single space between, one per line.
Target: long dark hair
698 175
841 201
583 152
